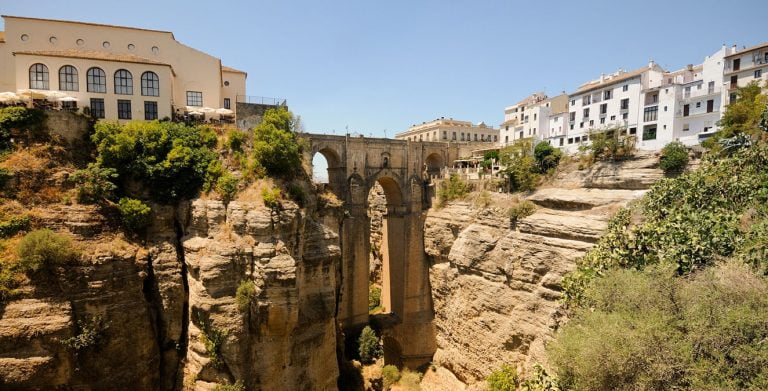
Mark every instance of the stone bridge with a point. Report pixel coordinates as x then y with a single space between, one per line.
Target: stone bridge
403 169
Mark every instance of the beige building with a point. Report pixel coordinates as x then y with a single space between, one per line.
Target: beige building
117 72
449 129
531 117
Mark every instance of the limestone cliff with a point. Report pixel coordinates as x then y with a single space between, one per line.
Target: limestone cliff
496 283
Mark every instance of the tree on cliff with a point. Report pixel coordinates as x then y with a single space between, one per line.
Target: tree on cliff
276 147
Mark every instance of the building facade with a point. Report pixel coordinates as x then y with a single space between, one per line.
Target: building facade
449 129
651 104
117 72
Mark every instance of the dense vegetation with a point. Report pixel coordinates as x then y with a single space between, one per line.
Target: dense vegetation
20 119
674 157
673 296
452 189
369 346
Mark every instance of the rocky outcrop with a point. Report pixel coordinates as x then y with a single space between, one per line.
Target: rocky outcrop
286 337
377 208
496 283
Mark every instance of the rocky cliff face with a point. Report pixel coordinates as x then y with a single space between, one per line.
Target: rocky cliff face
156 307
496 284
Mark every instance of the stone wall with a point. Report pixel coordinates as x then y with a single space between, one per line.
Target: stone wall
250 114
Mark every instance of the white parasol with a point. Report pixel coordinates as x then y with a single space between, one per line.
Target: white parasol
68 99
224 112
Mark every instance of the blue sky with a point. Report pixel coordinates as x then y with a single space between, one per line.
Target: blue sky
373 66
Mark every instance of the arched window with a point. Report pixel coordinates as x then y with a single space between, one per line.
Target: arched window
123 82
68 78
38 77
150 84
97 80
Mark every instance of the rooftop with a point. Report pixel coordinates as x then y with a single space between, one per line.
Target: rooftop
85 23
91 55
610 79
749 49
232 70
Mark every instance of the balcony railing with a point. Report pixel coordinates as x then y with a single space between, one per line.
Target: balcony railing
261 100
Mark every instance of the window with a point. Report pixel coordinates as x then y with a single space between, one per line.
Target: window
521 134
602 120
607 94
686 127
613 118
123 82
698 105
625 104
573 102
475 136
561 141
581 124
591 122
632 130
625 87
570 140
586 112
534 116
734 81
227 103
710 87
732 97
650 113
604 108
123 109
462 136
96 80
710 105
97 108
665 109
736 64
625 116
495 138
758 73
585 100
150 84
445 135
150 110
687 92
686 110
649 133
577 139
194 98
68 78
454 136
573 116
38 77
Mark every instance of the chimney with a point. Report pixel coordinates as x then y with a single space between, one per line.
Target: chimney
651 64
602 77
689 67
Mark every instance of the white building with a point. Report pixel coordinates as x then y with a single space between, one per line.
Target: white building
531 117
743 67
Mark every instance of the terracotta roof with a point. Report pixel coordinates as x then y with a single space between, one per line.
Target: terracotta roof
86 23
92 55
233 70
598 84
749 49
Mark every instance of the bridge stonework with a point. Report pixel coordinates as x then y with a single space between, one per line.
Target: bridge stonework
403 169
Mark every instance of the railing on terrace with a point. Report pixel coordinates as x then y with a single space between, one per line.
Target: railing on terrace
261 100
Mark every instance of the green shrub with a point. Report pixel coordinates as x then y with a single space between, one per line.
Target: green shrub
90 333
134 214
521 168
246 294
503 379
452 189
14 225
297 194
390 375
521 209
238 386
94 183
674 157
271 197
547 157
651 330
611 144
172 160
227 187
410 380
213 338
374 298
369 346
44 248
275 146
236 139
540 380
743 115
29 121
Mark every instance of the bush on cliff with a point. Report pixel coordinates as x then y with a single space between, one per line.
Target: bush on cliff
452 189
134 214
503 379
42 249
94 183
390 375
246 294
652 330
369 346
547 157
169 159
22 119
276 147
674 157
521 167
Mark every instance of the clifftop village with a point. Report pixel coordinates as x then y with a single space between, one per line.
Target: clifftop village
126 73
